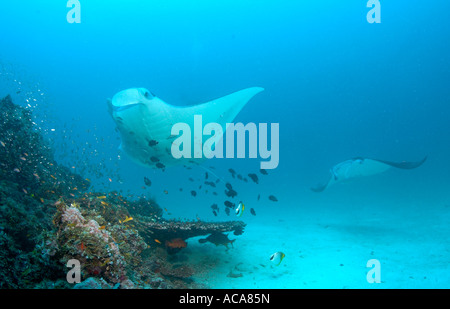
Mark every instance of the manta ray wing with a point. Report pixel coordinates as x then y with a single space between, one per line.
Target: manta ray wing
221 110
404 165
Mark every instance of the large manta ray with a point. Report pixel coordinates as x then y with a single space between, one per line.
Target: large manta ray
359 167
145 122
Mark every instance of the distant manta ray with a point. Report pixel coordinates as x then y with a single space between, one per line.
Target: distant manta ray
144 122
360 167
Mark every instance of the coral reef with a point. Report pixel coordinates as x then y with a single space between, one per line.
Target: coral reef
82 239
166 230
47 217
27 160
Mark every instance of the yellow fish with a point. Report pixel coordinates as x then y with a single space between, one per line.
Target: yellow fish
240 209
105 262
277 257
127 219
101 196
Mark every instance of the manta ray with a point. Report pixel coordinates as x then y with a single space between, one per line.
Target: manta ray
144 122
359 167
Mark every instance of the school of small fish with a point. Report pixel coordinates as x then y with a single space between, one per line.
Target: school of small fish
229 191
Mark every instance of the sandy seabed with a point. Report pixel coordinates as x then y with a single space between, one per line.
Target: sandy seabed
329 248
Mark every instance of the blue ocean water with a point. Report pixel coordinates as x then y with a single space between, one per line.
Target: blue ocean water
338 86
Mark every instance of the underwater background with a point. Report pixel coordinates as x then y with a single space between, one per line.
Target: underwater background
338 86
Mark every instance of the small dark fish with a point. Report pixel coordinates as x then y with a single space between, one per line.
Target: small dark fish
253 177
215 207
227 211
160 165
154 159
273 198
210 183
18 91
229 204
191 179
206 175
259 196
230 193
217 181
231 274
199 187
193 193
215 213
152 143
233 173
147 182
228 185
239 176
214 193
245 179
252 211
264 172
181 189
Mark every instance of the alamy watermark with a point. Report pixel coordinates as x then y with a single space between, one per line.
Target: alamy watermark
74 274
74 14
374 274
213 147
374 14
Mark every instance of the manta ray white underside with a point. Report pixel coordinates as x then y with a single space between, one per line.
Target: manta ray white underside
145 122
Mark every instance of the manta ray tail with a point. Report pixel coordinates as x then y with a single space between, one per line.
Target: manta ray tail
404 165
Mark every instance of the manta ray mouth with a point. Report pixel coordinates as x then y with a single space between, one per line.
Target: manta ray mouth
125 107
